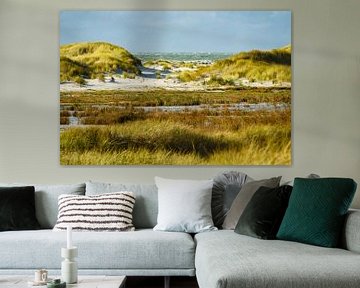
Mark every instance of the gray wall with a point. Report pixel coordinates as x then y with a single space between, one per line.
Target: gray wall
326 85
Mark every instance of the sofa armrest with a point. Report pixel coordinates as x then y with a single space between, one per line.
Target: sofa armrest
351 233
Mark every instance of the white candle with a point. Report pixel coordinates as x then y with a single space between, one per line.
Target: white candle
69 239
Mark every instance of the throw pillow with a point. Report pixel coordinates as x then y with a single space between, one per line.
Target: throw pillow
226 187
146 205
243 198
106 212
263 215
17 209
184 205
317 209
46 200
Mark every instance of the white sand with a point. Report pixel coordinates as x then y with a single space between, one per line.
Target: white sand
139 83
149 81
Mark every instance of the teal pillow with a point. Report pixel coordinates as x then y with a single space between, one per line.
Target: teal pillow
316 211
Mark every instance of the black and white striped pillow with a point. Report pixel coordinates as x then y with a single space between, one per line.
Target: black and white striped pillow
105 212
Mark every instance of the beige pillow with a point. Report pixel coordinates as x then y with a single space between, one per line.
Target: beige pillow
243 198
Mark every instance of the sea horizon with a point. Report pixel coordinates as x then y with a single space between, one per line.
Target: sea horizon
183 56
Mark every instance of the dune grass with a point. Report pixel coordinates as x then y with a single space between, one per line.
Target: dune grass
195 138
164 64
161 142
255 65
93 59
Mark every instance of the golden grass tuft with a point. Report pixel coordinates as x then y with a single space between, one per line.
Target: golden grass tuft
91 59
255 65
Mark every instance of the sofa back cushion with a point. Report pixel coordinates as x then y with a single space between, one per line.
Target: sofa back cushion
46 200
146 204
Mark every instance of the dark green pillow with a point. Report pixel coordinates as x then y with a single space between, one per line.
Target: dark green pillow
263 214
17 208
316 211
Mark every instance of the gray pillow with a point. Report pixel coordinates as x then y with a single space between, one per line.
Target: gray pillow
184 205
243 198
226 187
46 200
146 204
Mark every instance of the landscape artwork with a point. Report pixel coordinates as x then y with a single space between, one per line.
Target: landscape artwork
175 88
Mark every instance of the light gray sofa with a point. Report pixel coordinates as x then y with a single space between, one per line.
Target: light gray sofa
220 259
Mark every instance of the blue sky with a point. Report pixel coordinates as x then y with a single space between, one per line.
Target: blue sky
179 31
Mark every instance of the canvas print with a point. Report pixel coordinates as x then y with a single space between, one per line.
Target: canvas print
175 87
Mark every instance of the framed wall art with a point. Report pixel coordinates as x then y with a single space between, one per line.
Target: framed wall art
175 87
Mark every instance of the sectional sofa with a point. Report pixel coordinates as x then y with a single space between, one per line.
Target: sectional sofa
219 259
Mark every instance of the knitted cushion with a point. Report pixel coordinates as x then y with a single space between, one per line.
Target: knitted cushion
105 212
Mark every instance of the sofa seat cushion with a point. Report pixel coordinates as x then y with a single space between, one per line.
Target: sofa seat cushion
225 259
142 249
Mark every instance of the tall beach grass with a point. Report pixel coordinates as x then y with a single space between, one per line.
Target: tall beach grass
162 142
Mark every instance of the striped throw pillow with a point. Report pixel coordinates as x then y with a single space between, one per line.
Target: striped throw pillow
105 212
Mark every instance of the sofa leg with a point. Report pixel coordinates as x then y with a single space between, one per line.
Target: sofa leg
167 282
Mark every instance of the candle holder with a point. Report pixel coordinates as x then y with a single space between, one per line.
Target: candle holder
68 265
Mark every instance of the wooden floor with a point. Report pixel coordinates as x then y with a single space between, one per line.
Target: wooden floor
158 282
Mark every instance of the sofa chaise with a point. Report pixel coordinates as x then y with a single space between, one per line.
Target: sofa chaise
226 259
